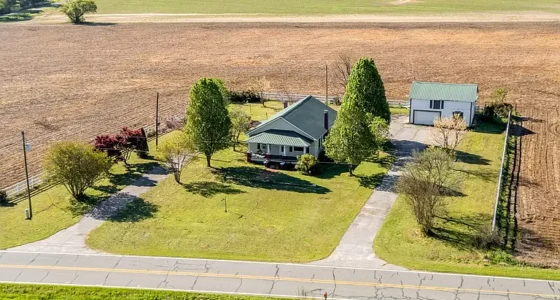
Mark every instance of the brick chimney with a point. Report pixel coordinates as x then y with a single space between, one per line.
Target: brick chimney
326 120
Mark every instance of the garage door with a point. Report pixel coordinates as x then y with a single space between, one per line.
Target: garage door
425 117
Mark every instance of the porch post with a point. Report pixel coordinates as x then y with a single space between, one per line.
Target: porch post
268 148
304 150
284 152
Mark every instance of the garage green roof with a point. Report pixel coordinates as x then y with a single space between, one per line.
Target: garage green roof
280 137
444 91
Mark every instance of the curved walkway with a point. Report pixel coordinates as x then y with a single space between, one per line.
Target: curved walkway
72 240
356 247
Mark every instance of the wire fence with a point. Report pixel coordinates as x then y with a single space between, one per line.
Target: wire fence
501 174
290 97
37 181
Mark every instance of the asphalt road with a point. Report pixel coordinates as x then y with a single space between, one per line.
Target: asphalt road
269 279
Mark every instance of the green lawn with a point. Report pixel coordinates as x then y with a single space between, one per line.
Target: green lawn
29 291
52 209
324 6
400 242
271 216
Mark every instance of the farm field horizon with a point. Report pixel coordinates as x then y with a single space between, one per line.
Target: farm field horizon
62 82
314 7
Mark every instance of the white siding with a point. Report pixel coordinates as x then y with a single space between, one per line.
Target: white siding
277 149
448 108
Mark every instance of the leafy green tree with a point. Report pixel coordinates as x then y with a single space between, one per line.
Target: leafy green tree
380 130
77 166
208 122
177 151
306 163
351 139
240 122
366 89
76 9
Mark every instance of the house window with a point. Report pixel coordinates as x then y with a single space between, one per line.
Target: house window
298 149
458 114
436 104
258 146
282 149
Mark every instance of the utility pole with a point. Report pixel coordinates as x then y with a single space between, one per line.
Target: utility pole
26 174
157 119
327 84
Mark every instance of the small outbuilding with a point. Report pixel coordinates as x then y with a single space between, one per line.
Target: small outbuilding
432 100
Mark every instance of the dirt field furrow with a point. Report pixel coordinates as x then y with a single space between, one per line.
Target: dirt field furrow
539 193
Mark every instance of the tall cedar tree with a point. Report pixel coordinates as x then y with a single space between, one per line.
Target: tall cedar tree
208 121
350 139
366 88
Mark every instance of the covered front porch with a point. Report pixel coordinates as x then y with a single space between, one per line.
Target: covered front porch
277 147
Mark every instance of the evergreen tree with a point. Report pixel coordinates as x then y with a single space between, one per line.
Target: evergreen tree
208 121
351 139
366 88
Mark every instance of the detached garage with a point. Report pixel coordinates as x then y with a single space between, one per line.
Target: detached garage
432 100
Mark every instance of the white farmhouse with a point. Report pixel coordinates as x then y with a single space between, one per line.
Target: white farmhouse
431 100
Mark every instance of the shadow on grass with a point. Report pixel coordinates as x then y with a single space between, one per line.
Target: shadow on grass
490 127
208 189
331 170
484 174
135 211
461 232
370 181
258 178
473 159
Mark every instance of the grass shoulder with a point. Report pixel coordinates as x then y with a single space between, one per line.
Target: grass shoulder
324 7
32 291
452 248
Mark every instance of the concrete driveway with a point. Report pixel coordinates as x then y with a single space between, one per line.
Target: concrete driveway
356 247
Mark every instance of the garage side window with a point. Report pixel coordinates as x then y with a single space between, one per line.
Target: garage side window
436 104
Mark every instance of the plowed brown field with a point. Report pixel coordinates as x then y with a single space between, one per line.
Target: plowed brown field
74 82
539 186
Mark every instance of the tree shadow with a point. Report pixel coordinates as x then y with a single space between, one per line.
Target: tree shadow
370 181
490 127
331 170
208 189
95 24
136 210
519 131
484 174
258 178
468 158
407 147
461 232
133 173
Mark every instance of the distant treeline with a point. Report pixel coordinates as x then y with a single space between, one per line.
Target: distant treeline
8 6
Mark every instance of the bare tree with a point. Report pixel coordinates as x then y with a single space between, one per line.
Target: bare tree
448 132
425 182
342 69
259 85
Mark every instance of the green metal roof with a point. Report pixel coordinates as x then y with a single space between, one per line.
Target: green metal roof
280 137
307 115
444 91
